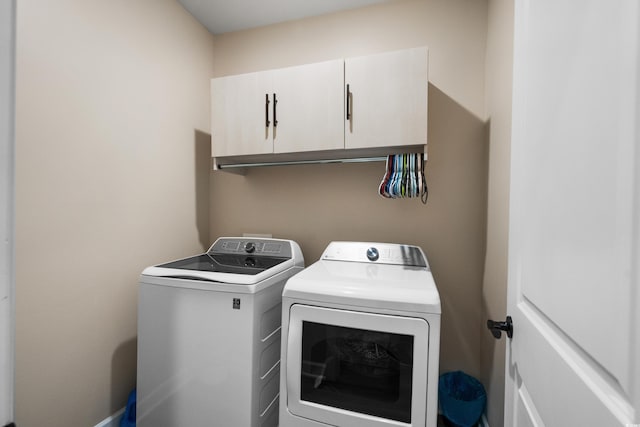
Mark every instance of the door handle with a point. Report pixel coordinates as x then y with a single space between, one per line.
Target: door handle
496 328
275 103
348 106
266 110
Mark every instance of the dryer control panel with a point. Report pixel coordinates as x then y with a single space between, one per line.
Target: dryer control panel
380 253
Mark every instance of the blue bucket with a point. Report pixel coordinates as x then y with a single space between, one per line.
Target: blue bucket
129 417
462 398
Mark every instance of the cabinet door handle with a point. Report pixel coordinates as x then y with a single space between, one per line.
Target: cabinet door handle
275 103
266 110
348 104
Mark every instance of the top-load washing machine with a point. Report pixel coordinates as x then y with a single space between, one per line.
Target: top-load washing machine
209 335
361 339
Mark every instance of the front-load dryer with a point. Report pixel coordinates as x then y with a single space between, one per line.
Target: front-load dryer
361 339
209 335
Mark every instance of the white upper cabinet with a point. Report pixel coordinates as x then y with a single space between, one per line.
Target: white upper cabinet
239 111
309 108
370 102
387 99
287 110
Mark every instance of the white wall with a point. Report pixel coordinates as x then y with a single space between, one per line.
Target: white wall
111 176
7 136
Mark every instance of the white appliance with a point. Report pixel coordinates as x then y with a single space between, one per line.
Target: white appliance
361 339
209 335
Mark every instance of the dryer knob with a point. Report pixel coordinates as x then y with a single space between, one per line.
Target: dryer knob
250 247
372 254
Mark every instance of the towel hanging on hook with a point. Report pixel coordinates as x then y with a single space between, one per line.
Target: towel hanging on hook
404 177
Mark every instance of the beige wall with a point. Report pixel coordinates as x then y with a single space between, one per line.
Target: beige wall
498 100
320 203
112 176
454 30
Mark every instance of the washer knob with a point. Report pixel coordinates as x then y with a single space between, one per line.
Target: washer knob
372 254
250 247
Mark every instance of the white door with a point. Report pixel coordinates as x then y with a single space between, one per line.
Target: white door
7 137
574 260
387 101
242 114
310 107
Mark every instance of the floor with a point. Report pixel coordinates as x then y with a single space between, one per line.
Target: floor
443 423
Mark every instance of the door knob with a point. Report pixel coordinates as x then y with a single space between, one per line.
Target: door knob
497 327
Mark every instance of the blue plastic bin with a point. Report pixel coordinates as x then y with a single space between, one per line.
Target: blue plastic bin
462 398
129 417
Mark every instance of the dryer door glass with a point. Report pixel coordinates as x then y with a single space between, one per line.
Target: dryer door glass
352 369
359 370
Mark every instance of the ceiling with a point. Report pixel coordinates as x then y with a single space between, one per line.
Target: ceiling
222 16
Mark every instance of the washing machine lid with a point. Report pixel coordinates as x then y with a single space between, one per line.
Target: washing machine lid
242 261
378 276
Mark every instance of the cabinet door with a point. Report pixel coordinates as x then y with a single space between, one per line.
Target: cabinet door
239 114
310 107
387 99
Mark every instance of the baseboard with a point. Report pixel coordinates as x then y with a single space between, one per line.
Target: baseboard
112 421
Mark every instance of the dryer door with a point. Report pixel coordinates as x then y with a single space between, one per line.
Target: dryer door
351 368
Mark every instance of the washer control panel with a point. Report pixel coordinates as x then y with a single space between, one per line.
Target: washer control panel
380 253
252 246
